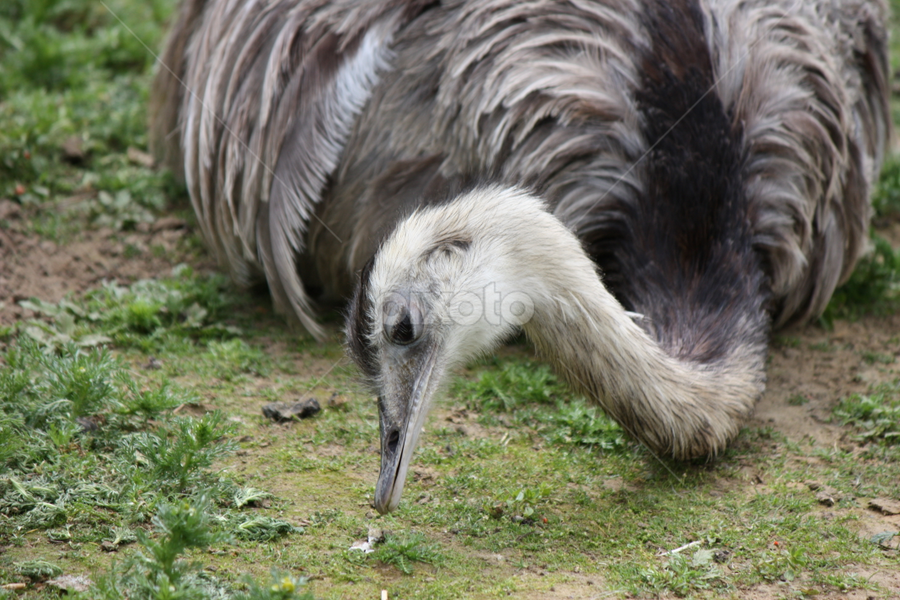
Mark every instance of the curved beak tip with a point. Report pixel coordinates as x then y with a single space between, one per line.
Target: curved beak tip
386 501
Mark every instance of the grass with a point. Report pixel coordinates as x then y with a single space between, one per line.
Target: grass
133 450
873 288
876 416
159 569
530 394
549 486
71 72
89 452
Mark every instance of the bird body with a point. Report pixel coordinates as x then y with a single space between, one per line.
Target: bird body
712 158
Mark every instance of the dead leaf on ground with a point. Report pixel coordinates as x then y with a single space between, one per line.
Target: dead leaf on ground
825 495
73 149
139 157
167 223
193 409
885 506
282 411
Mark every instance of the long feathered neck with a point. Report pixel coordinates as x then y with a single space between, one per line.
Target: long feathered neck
679 408
683 391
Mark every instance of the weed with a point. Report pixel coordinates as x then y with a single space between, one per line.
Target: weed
521 505
148 315
282 587
160 572
182 526
75 434
43 391
138 401
577 423
877 358
260 528
886 195
249 495
177 456
871 289
513 385
876 416
404 549
535 397
797 400
682 574
38 570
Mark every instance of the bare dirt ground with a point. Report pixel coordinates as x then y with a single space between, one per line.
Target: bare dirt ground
31 267
821 366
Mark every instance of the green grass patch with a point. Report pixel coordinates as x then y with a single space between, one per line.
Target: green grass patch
876 416
873 288
160 571
79 435
149 315
90 451
405 549
73 91
532 395
886 195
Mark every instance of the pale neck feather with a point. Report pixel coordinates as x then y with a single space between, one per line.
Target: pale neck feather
679 408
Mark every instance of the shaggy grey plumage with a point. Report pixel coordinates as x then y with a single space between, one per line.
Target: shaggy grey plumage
713 157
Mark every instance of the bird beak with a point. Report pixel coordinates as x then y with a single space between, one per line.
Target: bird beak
403 406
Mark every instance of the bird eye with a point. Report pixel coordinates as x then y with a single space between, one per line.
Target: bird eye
403 332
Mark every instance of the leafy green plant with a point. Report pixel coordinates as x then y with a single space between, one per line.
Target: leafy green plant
177 455
404 549
577 423
522 504
249 495
182 526
282 587
38 570
160 572
46 392
876 415
873 288
680 574
79 431
148 315
260 528
886 195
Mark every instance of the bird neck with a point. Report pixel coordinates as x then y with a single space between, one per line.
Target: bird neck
677 406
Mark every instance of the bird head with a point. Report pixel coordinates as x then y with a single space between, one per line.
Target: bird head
444 287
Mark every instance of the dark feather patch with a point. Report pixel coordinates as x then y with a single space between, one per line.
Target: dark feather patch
359 325
688 246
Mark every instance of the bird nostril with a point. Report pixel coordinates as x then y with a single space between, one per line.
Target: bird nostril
393 439
404 332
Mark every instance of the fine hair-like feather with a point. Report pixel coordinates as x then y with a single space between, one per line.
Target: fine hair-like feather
713 158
